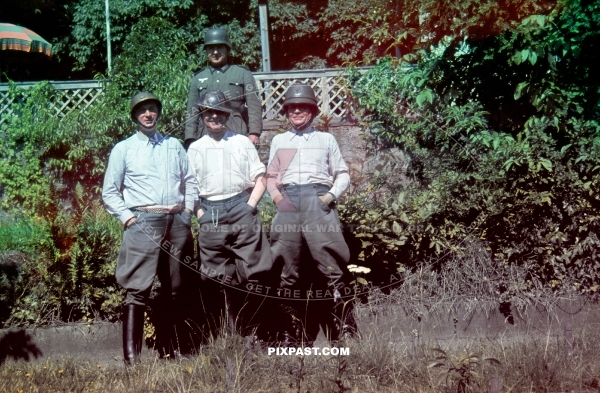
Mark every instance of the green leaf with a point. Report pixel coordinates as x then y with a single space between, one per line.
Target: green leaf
396 228
519 89
404 218
546 164
533 58
565 148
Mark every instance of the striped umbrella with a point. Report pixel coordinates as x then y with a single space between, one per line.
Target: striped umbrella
13 37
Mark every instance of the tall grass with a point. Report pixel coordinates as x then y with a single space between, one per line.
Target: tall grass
524 364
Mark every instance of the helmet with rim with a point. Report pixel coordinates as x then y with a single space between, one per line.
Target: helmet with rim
301 94
141 98
216 36
215 100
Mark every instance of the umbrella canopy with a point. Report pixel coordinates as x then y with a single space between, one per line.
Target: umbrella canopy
13 37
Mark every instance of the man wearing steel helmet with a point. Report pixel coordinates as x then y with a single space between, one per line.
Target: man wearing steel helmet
306 174
234 250
238 85
150 187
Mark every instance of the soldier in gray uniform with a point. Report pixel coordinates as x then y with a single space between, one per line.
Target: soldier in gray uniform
235 81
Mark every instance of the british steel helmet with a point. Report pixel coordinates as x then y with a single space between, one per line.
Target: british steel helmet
300 94
215 100
140 98
216 36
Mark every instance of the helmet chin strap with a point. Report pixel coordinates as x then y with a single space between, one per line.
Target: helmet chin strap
145 129
306 123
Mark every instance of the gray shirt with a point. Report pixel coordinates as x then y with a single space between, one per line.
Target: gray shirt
142 172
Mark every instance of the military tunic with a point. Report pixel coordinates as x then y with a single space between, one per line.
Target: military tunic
238 85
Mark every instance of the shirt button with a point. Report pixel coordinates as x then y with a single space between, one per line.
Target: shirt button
217 81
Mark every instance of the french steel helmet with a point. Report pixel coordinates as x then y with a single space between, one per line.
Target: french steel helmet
300 94
140 98
214 100
216 36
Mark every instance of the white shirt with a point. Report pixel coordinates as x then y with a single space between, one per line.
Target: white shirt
224 168
306 157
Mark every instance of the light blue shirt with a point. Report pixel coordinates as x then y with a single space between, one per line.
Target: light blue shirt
144 172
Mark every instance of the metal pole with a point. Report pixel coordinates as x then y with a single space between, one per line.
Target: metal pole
108 47
264 37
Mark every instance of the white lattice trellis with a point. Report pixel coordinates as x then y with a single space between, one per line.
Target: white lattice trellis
329 86
70 95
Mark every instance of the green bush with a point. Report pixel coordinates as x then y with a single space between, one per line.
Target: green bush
501 150
60 271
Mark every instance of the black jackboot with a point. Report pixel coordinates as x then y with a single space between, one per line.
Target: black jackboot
133 330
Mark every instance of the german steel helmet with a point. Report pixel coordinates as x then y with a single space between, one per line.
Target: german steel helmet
140 98
215 100
300 94
216 36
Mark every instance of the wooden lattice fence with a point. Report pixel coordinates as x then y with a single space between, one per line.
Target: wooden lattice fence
329 86
70 95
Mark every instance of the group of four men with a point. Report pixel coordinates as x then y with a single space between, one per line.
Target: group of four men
153 187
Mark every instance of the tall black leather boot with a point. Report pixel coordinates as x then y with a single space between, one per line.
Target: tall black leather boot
133 330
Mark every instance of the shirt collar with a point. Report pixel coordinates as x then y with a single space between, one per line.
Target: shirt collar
222 69
155 139
305 134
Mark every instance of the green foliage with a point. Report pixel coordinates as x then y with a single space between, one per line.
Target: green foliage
189 20
365 30
62 270
500 150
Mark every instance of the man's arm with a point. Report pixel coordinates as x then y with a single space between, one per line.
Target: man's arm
256 171
258 191
338 169
270 178
188 180
278 164
253 103
111 189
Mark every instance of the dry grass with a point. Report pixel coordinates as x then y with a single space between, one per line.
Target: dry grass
375 364
389 358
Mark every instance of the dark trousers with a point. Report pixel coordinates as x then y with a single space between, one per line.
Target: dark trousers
157 244
234 249
303 222
307 241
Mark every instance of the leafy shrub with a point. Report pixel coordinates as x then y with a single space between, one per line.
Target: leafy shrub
62 270
53 170
521 180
